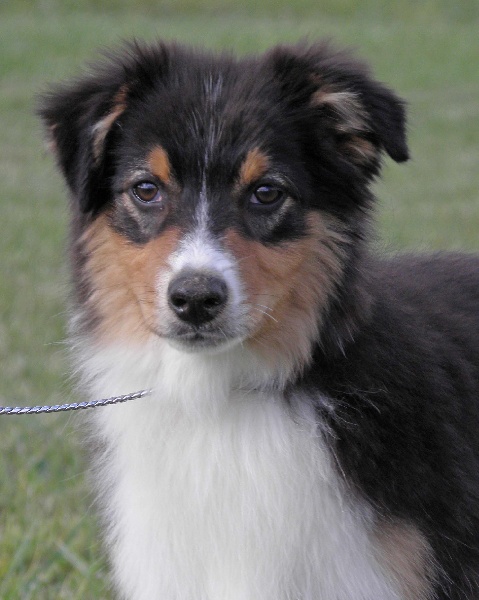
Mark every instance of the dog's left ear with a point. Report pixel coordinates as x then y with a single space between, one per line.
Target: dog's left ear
340 101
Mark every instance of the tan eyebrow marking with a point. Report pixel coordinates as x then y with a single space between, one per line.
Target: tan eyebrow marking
160 165
254 166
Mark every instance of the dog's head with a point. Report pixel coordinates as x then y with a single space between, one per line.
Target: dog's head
219 201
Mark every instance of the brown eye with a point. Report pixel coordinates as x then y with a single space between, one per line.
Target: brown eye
266 195
147 192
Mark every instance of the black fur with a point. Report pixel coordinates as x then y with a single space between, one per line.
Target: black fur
406 399
399 347
266 100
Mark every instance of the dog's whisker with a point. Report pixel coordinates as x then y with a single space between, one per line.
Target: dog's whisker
268 308
264 313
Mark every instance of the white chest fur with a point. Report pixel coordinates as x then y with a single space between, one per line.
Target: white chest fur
212 494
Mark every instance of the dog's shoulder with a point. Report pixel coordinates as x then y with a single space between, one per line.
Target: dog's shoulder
423 309
442 274
403 397
414 361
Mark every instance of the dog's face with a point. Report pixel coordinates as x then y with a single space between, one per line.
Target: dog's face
216 201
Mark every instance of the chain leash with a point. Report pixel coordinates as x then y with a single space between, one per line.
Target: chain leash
29 410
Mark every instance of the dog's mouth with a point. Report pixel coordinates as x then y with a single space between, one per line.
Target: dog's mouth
196 340
199 312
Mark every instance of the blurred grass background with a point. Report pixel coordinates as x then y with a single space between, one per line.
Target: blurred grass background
428 51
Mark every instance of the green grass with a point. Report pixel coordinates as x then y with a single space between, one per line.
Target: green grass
428 51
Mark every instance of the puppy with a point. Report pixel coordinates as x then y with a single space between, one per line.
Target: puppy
313 428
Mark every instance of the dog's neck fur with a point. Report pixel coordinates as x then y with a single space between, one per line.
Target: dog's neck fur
195 384
230 467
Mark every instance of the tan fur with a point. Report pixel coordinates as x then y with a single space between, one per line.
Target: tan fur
253 168
50 141
351 120
408 557
288 287
122 279
159 164
347 105
101 129
360 150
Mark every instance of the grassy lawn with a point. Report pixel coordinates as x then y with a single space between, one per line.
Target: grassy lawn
427 51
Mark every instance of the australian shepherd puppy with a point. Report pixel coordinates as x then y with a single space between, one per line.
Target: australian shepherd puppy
314 423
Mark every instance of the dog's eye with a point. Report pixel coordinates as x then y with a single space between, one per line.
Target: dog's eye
267 195
147 192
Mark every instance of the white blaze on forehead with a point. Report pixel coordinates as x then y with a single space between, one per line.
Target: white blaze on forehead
213 86
202 210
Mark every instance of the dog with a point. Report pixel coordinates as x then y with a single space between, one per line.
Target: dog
312 433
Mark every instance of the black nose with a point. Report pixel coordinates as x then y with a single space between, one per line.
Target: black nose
197 297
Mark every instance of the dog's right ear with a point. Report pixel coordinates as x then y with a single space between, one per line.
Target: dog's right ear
82 118
79 118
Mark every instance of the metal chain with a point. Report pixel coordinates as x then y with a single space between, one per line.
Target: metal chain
28 410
